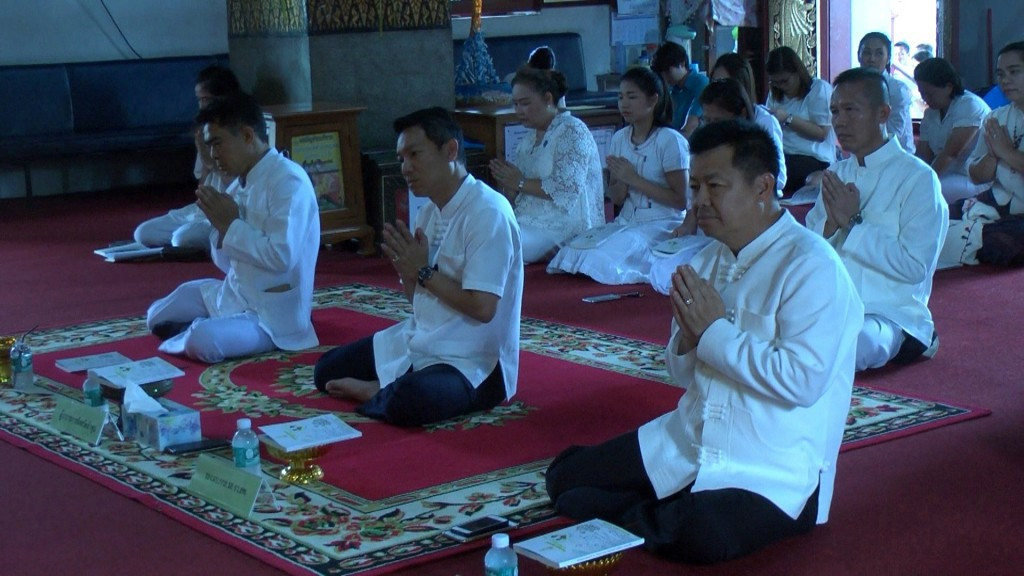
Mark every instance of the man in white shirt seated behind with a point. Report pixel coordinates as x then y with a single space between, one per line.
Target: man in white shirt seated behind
882 210
764 333
463 273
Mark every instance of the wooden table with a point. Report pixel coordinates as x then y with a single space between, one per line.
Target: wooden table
488 124
323 137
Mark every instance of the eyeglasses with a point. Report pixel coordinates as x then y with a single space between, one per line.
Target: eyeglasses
779 80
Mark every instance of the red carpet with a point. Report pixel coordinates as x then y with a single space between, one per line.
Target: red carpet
944 502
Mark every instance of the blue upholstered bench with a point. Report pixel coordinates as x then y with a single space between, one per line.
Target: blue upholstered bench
511 52
70 110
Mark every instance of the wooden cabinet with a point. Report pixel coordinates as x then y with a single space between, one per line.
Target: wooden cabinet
324 139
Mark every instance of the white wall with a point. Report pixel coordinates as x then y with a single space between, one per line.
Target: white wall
592 23
51 31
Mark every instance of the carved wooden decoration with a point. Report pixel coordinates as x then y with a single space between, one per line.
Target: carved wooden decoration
794 23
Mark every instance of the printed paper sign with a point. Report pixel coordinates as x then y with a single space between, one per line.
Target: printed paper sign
218 481
81 421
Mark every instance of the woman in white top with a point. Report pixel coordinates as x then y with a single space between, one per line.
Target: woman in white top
732 65
648 166
949 128
801 105
723 99
555 184
875 53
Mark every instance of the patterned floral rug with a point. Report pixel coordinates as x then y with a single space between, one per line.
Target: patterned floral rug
324 528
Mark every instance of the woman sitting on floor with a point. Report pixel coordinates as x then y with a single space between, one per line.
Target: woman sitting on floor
732 65
722 100
648 164
555 183
875 53
801 105
989 227
949 128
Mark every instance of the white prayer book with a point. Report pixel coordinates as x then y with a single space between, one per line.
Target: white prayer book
128 251
806 195
316 431
139 372
595 236
579 543
83 363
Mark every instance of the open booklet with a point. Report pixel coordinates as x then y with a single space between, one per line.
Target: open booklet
139 372
316 431
128 251
579 543
131 251
806 195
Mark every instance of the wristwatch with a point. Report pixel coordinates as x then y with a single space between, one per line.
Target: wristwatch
519 187
424 274
789 120
855 219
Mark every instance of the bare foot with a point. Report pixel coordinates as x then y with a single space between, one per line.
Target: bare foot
352 389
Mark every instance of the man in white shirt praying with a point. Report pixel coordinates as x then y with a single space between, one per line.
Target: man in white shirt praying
882 210
764 332
463 272
265 238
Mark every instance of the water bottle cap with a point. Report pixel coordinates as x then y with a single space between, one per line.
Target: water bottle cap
244 424
499 541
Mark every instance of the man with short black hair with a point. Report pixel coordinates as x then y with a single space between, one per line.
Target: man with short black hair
764 329
882 210
463 272
672 63
266 234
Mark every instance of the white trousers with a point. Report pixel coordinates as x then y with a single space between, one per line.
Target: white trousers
207 339
878 342
539 245
175 229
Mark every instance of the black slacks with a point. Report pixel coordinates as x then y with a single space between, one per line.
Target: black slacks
608 481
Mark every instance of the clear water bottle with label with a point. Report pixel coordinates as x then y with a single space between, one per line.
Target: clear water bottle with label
500 560
245 447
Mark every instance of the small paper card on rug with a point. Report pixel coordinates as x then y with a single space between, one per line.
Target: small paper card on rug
83 363
81 421
231 488
578 543
140 372
317 431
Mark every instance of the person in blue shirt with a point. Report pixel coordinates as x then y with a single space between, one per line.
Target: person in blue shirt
672 63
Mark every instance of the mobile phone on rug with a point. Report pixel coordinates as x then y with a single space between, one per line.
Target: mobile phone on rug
479 528
200 446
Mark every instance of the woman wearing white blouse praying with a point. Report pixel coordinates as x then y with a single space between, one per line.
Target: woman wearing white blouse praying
648 164
801 105
555 183
949 128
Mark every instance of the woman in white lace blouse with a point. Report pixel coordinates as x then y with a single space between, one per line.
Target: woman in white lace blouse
555 183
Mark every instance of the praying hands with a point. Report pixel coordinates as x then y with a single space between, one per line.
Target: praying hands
695 306
842 202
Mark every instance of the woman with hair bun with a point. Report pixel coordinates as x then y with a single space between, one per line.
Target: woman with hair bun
555 182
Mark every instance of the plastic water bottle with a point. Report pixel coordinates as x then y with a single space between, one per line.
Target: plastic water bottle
91 393
500 560
245 447
22 375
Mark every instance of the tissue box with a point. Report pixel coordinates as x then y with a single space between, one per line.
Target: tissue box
178 425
